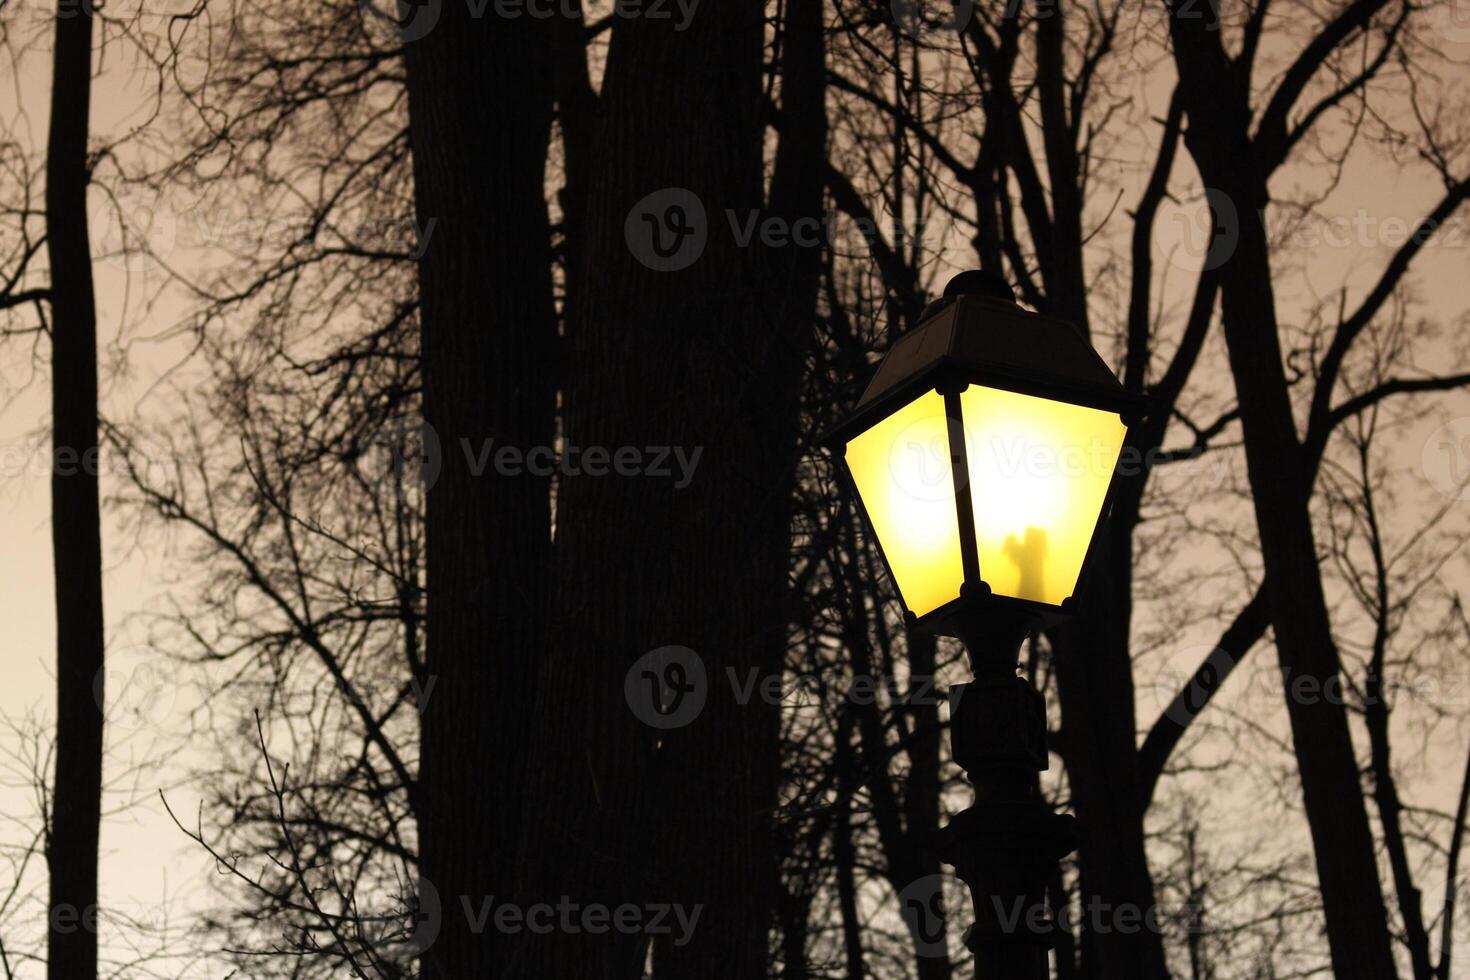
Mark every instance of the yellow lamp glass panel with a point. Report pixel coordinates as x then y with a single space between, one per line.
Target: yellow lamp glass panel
1039 475
902 471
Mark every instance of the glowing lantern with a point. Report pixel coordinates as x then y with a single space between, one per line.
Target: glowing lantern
983 454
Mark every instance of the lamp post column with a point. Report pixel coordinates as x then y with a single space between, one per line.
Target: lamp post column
1006 846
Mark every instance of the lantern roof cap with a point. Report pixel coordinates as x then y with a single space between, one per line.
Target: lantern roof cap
992 335
977 334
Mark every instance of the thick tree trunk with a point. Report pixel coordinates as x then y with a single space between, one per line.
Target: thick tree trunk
1095 684
1357 925
922 790
844 854
1390 814
76 536
1219 138
724 825
1280 477
480 110
692 358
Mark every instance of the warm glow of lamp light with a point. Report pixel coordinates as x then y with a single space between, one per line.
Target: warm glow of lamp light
902 470
983 451
1039 475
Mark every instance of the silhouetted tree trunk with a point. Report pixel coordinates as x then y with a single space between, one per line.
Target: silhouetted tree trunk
844 854
793 912
76 535
1232 162
1376 719
480 110
922 789
699 359
720 817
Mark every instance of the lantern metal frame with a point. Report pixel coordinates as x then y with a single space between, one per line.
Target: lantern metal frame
949 373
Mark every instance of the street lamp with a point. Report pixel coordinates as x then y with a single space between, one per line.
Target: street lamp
982 456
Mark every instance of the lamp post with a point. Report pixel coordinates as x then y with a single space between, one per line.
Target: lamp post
982 457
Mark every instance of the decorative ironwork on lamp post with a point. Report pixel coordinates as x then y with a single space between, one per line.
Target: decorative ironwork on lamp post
982 456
